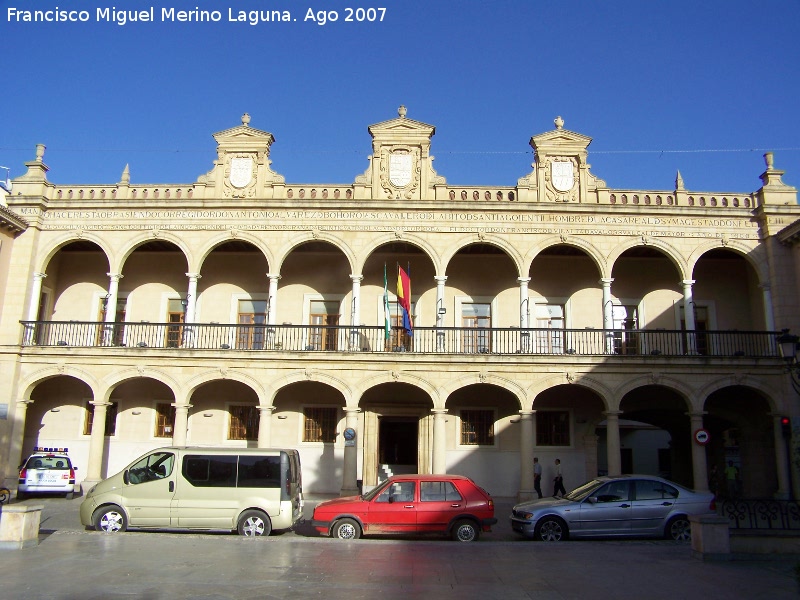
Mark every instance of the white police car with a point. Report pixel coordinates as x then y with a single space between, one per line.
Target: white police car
47 471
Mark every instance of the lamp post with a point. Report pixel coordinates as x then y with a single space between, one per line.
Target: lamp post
788 344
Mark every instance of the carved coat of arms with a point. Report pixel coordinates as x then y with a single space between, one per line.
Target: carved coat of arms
241 172
400 169
562 176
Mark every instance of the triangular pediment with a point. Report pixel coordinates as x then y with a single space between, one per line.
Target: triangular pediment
561 136
244 134
402 125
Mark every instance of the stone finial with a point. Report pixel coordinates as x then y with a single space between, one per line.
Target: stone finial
126 175
768 159
678 181
40 148
402 111
246 120
559 123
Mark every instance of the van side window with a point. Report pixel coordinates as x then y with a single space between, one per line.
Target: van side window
259 471
209 470
152 467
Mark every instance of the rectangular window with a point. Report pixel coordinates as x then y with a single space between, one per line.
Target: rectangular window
175 314
552 428
477 427
111 419
324 319
400 340
252 317
625 319
113 335
319 424
210 471
244 423
550 317
259 471
476 319
165 420
700 328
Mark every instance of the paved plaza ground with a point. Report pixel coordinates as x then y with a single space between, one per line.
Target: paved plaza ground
71 563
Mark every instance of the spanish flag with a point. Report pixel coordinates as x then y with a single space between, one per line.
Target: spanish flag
404 298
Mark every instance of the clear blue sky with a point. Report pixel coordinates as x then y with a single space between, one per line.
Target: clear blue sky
634 76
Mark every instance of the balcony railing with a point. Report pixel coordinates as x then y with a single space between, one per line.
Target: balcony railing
365 338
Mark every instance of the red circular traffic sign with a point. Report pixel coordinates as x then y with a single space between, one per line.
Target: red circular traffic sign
701 436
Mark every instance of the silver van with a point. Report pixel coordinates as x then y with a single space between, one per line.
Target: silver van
250 490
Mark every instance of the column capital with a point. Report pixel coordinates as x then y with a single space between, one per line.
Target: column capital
688 282
100 402
355 277
273 276
266 409
194 275
438 411
350 410
612 413
181 405
522 280
696 414
115 276
440 278
24 402
607 281
526 414
39 275
766 286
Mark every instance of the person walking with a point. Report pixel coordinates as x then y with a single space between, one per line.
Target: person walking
537 476
558 481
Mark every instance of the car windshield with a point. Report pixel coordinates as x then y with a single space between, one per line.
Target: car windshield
584 491
48 462
374 491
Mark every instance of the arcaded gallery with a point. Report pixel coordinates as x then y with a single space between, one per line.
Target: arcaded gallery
454 329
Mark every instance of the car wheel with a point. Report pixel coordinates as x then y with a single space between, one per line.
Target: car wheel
551 529
110 519
346 529
70 495
254 523
679 529
21 496
465 531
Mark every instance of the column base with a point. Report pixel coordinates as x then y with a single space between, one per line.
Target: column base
348 491
88 484
525 495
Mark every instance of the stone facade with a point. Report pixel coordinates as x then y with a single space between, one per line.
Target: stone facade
549 316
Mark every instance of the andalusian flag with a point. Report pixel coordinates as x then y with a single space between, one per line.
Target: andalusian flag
387 315
404 298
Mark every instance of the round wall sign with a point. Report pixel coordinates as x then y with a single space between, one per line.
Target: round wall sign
701 437
349 433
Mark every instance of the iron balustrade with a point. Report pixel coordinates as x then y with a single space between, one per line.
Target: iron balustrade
761 514
426 340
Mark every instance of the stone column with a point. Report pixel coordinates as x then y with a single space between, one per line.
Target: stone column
111 308
350 467
613 445
181 423
688 315
590 454
17 438
608 315
781 458
524 314
96 444
699 467
769 314
191 298
272 304
265 426
33 307
526 491
354 341
439 441
440 334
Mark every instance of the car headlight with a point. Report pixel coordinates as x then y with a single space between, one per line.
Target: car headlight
525 515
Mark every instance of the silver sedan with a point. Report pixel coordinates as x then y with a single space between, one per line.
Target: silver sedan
630 505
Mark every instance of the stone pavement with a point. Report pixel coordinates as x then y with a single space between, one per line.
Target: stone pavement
70 563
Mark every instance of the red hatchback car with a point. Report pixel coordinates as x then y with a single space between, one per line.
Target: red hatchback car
410 504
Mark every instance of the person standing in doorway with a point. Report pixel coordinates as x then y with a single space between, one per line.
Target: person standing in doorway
537 476
558 481
732 479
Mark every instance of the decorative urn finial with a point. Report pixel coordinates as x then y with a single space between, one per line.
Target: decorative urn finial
768 158
402 111
559 122
246 120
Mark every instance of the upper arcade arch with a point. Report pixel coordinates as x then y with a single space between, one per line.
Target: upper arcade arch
43 261
668 250
755 257
570 241
498 242
389 239
315 237
240 239
162 237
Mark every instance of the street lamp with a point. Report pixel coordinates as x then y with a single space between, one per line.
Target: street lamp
789 345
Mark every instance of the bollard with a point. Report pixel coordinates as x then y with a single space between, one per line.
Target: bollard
711 538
